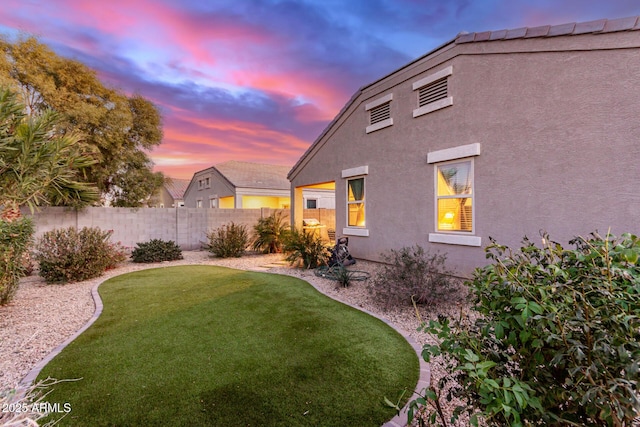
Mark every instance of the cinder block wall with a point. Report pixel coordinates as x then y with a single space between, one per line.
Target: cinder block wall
185 226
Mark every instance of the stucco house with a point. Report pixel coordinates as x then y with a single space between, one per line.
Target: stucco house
495 134
246 185
171 194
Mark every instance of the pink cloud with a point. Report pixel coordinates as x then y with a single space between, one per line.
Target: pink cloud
323 94
197 143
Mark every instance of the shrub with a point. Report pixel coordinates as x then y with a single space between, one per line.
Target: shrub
411 274
68 255
269 233
15 238
305 246
556 341
230 240
156 250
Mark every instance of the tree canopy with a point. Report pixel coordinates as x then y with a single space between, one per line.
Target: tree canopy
39 165
117 130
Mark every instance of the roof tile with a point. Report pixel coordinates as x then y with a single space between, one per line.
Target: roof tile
176 187
498 35
562 29
622 24
465 38
516 33
589 27
483 36
537 31
255 175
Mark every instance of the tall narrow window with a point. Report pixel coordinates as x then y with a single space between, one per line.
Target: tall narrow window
454 189
355 202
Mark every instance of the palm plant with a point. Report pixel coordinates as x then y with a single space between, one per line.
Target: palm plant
269 233
39 165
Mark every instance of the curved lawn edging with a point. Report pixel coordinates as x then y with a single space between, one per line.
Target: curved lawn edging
397 421
29 379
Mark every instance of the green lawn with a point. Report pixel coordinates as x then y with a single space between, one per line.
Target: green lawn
212 346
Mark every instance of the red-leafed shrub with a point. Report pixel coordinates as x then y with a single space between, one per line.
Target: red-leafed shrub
68 255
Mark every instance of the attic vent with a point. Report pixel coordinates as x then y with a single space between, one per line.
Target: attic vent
432 93
380 113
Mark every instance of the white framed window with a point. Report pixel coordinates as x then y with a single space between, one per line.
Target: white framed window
432 92
312 203
455 195
379 112
199 203
355 198
200 184
213 202
207 182
355 202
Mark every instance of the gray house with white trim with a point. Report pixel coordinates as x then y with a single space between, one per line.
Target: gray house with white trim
496 134
246 185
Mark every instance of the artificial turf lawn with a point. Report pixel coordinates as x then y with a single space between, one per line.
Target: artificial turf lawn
212 346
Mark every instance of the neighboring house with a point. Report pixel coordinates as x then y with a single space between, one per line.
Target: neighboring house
235 185
171 195
496 134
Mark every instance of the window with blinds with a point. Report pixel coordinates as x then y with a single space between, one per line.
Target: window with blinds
454 196
355 202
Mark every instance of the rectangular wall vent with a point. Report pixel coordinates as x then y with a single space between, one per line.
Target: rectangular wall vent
432 92
380 113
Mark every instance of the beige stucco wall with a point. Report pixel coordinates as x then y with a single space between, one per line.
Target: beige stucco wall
557 123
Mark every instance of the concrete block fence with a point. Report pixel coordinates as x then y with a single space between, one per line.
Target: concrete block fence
185 226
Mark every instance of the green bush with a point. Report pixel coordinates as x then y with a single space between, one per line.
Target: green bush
305 246
269 233
556 341
230 240
411 274
156 250
15 238
68 255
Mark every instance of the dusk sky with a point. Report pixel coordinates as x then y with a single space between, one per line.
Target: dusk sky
258 80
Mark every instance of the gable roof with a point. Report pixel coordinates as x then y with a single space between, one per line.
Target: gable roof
600 26
176 187
254 175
